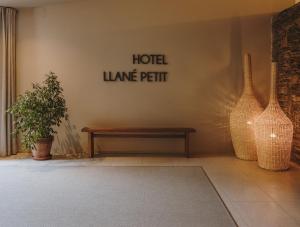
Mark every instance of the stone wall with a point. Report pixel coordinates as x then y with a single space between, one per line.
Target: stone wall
286 51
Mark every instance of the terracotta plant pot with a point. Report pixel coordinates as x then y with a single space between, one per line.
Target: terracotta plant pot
42 149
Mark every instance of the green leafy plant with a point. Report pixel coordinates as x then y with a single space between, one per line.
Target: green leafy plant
37 112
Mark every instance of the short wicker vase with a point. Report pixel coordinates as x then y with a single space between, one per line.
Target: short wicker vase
243 116
273 133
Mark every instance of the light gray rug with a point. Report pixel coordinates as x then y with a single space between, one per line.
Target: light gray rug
109 197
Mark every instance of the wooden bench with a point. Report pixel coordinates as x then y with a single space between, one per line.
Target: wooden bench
138 133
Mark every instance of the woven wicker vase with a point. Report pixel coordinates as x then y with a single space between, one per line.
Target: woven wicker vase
243 116
273 133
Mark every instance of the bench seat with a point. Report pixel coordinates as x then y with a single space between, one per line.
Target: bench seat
138 133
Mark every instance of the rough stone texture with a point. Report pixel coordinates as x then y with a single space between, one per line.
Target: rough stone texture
286 51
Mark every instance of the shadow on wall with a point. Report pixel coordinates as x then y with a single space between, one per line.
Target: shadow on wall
68 142
226 86
223 93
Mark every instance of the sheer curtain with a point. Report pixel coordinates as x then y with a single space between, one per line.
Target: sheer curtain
7 78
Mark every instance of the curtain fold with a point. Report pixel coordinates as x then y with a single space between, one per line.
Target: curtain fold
7 79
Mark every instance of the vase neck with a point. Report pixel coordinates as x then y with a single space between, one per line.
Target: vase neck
273 93
248 86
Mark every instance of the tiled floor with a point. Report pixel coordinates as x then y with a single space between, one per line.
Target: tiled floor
255 197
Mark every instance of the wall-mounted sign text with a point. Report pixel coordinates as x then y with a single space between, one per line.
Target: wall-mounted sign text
140 76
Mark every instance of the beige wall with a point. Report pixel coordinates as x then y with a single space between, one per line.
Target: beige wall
203 41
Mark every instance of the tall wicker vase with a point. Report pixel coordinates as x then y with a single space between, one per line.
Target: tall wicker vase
243 116
273 133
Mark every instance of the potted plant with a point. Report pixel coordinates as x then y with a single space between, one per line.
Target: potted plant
36 113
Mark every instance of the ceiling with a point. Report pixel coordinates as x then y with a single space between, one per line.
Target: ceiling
29 3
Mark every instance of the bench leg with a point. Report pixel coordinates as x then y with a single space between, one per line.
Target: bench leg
91 144
187 145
